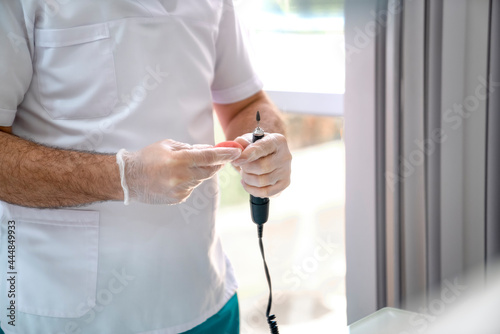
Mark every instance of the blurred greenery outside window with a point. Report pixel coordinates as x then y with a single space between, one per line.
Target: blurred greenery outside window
297 48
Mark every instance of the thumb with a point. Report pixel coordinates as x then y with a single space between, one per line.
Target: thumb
244 140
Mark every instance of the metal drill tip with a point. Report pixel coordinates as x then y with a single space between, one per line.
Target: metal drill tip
258 116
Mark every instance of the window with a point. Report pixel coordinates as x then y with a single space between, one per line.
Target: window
298 46
298 52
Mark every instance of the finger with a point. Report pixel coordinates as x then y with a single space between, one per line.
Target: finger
175 145
212 156
257 150
205 172
262 166
201 146
244 140
268 191
261 180
183 192
238 168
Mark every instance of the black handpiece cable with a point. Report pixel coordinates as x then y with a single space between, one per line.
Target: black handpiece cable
260 212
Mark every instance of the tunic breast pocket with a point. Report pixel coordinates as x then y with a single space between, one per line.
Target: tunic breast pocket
76 71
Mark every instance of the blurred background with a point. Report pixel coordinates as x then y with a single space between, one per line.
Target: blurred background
298 50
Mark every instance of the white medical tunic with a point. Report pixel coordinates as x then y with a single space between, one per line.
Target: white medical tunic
100 75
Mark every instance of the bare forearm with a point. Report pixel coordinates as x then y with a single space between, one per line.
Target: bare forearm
244 121
38 176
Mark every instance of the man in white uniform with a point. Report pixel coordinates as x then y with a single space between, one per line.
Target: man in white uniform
81 80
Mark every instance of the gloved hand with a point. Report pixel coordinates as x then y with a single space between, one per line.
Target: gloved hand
168 171
265 166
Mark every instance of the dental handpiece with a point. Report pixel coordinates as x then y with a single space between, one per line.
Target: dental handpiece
260 212
259 206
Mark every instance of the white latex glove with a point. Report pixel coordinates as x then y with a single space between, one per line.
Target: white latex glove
265 166
168 171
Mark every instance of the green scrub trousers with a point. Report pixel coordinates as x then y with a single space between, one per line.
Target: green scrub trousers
226 321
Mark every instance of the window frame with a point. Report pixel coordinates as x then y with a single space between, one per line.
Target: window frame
320 104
